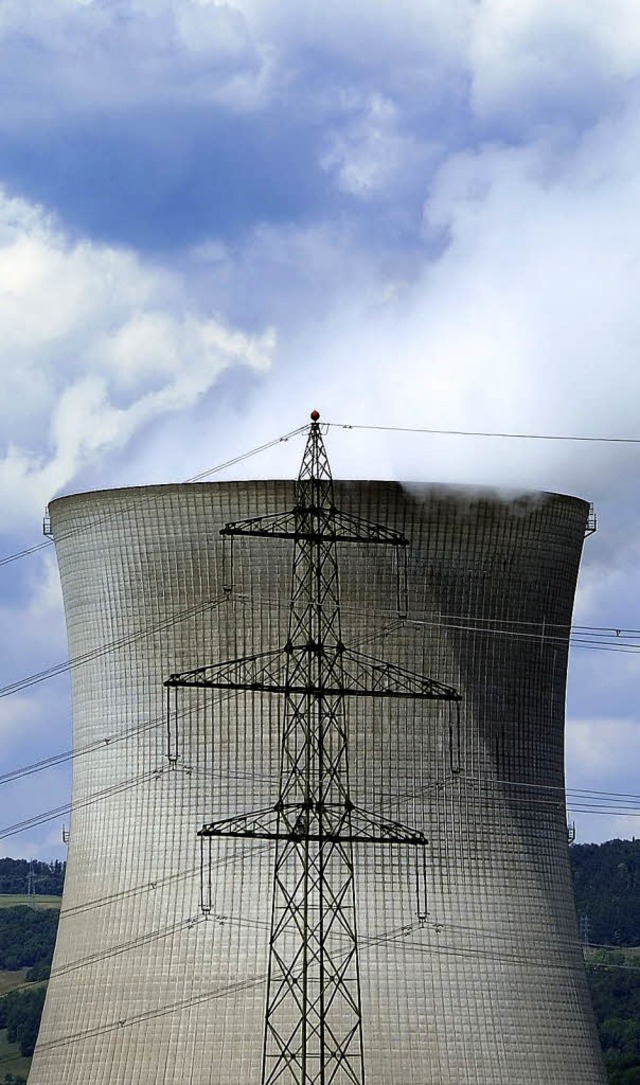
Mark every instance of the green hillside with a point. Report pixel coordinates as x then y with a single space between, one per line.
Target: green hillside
606 881
27 937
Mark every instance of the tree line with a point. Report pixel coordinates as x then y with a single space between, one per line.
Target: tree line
19 876
606 883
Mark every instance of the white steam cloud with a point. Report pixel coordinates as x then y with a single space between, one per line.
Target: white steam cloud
458 249
94 344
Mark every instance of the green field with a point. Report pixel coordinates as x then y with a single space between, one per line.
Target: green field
12 900
11 1061
10 980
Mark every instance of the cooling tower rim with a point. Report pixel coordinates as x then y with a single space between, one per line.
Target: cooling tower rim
458 493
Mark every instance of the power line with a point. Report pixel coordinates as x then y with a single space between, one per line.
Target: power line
246 455
488 433
195 478
110 646
578 800
541 631
577 806
185 923
98 744
610 804
89 800
579 638
574 795
399 937
188 923
355 426
81 751
24 553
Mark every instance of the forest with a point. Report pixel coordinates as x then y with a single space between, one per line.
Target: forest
606 880
18 876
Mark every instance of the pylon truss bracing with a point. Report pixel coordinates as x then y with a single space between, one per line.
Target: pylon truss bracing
362 676
295 823
313 1030
329 525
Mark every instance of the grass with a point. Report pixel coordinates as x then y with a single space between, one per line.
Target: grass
601 953
11 1061
10 980
11 900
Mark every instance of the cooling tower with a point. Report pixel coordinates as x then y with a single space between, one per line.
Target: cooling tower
488 990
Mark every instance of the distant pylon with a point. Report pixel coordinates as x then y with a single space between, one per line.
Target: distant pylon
313 1031
32 879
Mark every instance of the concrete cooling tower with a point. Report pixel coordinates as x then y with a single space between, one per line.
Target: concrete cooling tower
483 982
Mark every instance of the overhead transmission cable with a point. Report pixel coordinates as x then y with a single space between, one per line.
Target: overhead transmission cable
184 923
195 478
110 646
88 800
612 805
581 640
187 923
64 756
153 885
49 815
399 937
487 433
99 743
589 637
430 431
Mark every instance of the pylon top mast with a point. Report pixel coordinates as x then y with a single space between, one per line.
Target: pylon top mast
313 1020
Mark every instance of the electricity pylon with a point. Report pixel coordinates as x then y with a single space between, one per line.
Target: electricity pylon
313 1018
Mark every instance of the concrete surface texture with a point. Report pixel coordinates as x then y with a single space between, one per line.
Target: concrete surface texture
491 990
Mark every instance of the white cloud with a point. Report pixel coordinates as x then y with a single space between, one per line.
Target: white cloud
114 52
601 755
526 319
528 56
371 152
511 305
94 343
517 59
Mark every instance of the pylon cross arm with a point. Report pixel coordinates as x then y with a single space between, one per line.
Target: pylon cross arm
366 676
357 675
352 826
328 524
264 671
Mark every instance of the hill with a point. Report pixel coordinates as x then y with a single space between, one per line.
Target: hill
606 883
27 938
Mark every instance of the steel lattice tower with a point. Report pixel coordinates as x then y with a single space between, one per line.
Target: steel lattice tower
313 1016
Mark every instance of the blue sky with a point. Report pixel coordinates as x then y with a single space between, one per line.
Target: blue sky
216 215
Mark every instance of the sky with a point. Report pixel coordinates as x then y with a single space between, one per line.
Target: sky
216 216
